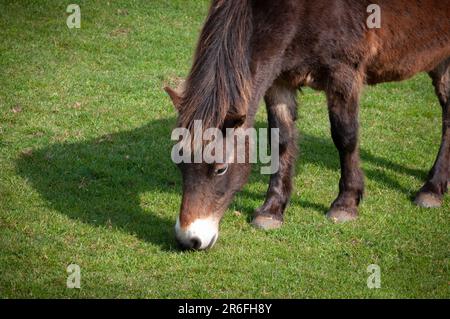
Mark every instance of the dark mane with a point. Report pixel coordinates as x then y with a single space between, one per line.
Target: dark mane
219 81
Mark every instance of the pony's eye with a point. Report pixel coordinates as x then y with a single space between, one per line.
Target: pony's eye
221 170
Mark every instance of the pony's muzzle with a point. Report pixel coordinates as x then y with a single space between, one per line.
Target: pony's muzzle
198 235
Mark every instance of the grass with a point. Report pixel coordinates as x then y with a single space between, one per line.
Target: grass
86 175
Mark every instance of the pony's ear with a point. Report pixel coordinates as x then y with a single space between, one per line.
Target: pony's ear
234 120
175 96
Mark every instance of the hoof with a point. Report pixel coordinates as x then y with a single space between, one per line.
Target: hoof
428 200
341 216
266 222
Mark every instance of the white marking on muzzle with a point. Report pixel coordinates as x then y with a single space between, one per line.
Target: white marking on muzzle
205 230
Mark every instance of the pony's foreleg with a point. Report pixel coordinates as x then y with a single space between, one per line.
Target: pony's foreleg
438 181
282 113
343 107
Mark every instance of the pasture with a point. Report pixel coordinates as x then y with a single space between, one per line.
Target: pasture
86 176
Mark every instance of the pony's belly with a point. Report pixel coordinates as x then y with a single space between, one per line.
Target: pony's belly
403 67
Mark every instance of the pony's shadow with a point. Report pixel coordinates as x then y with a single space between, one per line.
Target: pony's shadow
100 181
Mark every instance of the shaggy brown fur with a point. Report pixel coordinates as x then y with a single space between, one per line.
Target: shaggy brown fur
219 81
251 49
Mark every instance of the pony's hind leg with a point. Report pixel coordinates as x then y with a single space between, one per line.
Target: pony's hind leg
438 181
282 113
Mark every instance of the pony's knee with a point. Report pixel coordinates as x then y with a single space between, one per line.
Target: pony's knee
282 112
281 104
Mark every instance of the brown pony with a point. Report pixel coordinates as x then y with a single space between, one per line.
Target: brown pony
254 49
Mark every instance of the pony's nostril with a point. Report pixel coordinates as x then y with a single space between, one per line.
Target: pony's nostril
196 243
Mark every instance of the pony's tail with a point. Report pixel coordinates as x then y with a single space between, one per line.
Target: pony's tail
219 83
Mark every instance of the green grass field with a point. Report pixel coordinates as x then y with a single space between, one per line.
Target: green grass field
86 175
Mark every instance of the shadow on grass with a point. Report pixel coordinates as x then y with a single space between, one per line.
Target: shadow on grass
100 181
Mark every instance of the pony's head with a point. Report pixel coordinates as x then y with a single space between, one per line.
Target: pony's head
209 184
217 94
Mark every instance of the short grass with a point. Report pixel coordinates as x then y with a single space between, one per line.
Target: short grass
86 175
